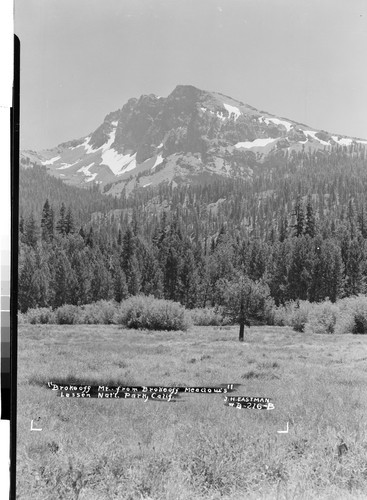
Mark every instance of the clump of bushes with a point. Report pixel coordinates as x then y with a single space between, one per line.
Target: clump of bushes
39 316
300 315
352 317
208 316
322 318
152 314
348 315
293 313
68 315
102 312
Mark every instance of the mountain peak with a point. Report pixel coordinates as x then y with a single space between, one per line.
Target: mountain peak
191 134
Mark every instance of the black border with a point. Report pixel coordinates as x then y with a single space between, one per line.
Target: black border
14 183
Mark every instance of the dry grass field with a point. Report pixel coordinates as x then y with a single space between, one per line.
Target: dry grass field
96 449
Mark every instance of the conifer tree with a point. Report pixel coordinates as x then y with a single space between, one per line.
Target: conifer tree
62 276
299 218
47 222
30 236
120 290
90 238
310 225
61 223
27 298
119 238
69 222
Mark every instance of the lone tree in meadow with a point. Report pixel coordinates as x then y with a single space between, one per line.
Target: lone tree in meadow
243 299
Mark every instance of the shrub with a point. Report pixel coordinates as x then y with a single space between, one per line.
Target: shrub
299 315
293 313
41 315
152 314
281 315
102 312
269 311
21 318
68 315
353 315
322 318
344 323
208 317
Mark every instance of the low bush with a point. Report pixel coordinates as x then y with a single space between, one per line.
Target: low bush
152 314
352 316
41 315
281 315
102 312
299 316
269 311
208 317
322 318
293 313
68 315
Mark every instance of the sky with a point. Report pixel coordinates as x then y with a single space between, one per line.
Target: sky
81 59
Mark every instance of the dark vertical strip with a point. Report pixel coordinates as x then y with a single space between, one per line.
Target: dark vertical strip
15 112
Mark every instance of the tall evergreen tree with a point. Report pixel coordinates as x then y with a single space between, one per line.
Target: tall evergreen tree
47 222
310 223
299 218
30 236
61 223
69 222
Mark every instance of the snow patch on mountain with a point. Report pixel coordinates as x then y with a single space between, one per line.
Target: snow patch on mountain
66 165
118 163
343 141
90 179
115 123
88 148
257 143
312 133
277 121
232 109
157 162
219 114
86 172
51 160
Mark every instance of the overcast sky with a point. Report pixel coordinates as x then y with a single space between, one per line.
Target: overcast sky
81 59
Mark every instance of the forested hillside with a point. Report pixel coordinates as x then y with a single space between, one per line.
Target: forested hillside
299 226
36 185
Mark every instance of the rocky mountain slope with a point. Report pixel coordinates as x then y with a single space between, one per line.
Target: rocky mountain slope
190 136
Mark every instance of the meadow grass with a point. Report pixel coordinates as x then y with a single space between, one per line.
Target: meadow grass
98 449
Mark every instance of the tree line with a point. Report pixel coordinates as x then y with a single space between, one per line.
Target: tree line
187 259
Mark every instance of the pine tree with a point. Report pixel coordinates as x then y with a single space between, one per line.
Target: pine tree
119 238
61 279
362 221
69 222
27 297
90 238
61 223
310 226
30 236
243 299
47 222
300 218
120 289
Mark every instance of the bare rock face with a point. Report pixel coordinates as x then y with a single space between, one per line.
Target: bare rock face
190 135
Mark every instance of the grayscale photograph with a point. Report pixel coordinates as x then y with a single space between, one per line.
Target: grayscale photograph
193 241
